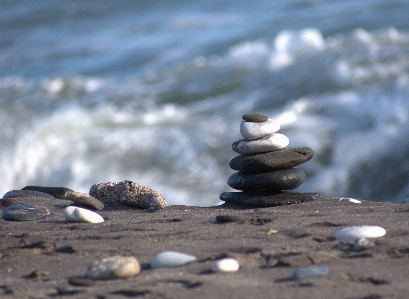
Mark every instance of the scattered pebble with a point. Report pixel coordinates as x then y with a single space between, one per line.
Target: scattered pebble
353 200
362 244
38 274
226 265
170 259
24 212
84 199
275 141
26 193
228 218
128 193
57 192
75 214
253 117
256 130
364 231
114 267
310 272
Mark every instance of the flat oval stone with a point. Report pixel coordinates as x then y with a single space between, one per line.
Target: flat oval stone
310 272
256 130
284 179
270 143
84 199
268 198
24 212
57 192
171 259
114 267
75 214
280 159
26 193
253 117
363 231
226 265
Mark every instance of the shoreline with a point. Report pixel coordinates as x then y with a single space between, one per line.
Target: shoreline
294 235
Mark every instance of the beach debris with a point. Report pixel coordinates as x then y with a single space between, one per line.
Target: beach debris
24 212
171 259
114 267
363 231
265 166
226 265
310 272
128 193
76 214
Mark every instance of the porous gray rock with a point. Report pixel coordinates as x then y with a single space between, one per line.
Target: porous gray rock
285 179
128 193
280 159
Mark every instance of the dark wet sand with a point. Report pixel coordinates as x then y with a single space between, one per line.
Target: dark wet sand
304 236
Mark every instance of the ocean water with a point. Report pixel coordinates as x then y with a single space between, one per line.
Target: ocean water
154 91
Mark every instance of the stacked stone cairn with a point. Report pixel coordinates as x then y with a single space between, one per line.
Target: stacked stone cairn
265 166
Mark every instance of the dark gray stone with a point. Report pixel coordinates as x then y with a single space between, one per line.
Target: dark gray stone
310 272
281 159
285 179
256 118
57 192
26 193
24 212
268 198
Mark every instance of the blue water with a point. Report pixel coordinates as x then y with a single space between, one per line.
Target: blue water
154 91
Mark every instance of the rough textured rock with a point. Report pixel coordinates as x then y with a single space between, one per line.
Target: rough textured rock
24 212
285 179
268 199
128 193
114 267
281 159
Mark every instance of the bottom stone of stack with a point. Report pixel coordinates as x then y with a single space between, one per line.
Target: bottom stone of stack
268 198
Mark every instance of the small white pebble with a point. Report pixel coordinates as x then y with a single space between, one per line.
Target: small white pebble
75 214
353 200
171 259
364 231
226 265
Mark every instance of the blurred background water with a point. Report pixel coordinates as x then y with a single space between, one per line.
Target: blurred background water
153 92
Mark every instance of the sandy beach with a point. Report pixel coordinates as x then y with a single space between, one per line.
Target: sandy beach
39 258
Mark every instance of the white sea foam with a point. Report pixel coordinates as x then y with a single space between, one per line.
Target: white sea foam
345 96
